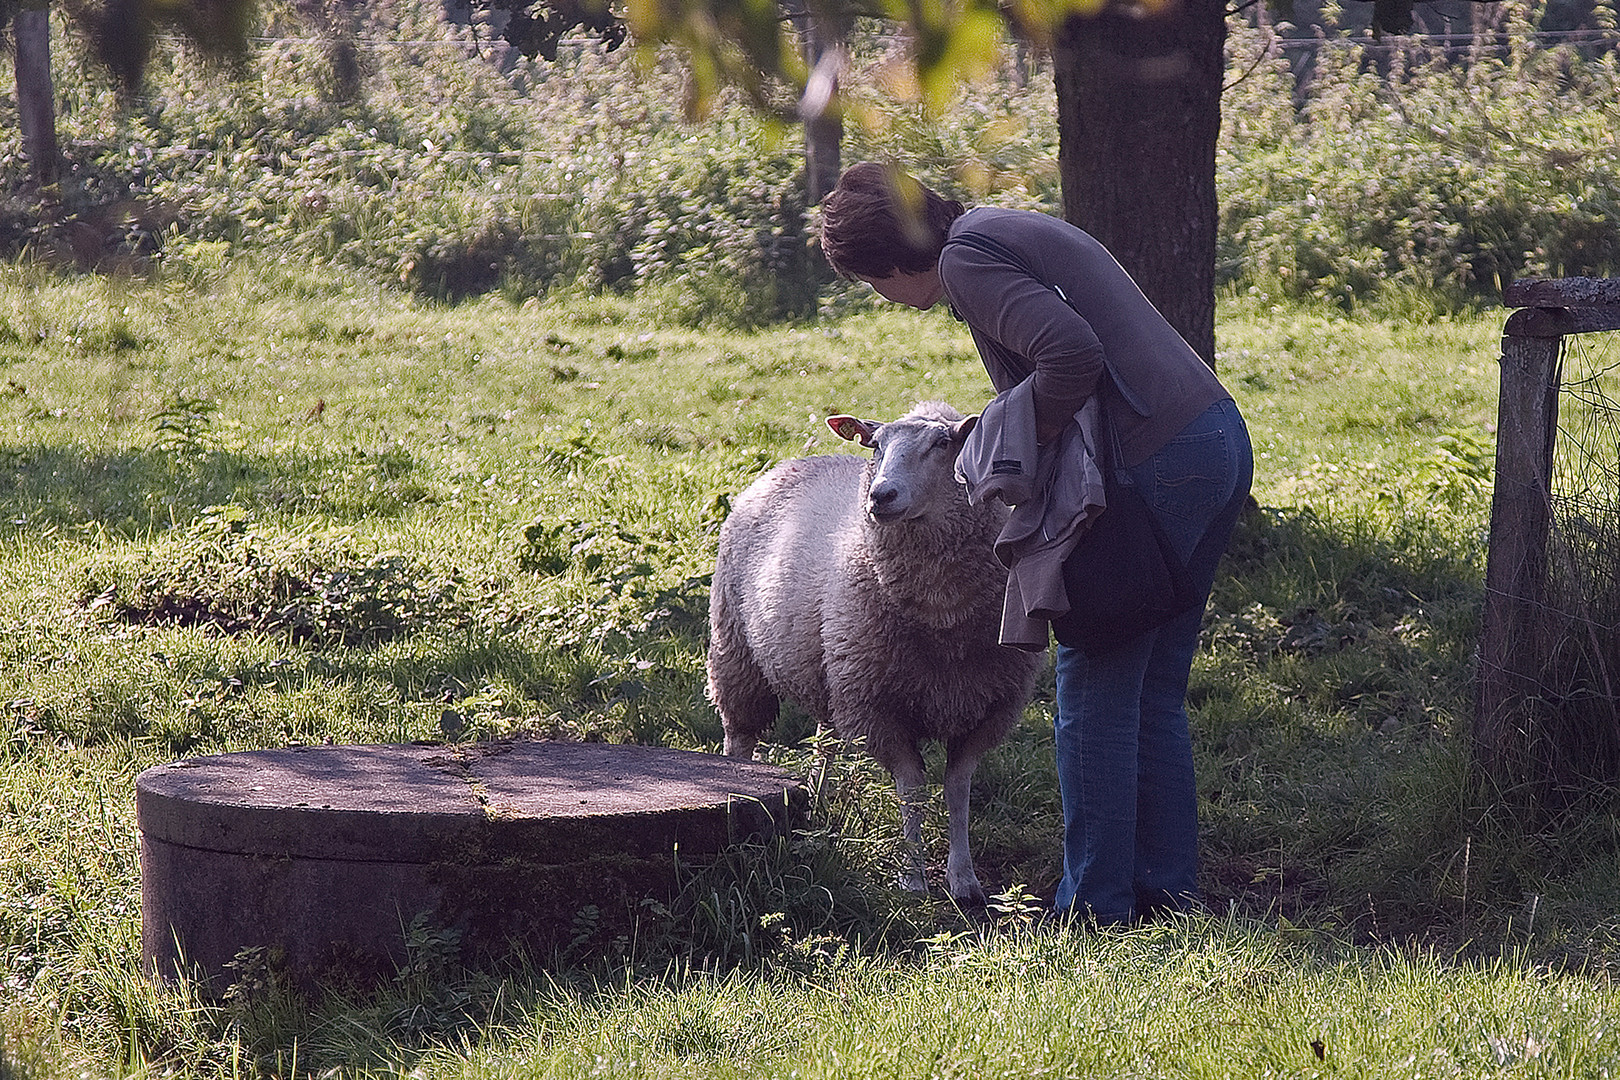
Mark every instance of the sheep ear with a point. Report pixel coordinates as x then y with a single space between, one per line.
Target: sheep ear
848 427
965 426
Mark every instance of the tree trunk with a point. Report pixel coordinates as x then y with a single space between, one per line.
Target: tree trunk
36 104
824 129
1139 110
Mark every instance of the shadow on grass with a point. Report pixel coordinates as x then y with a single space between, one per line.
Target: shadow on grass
458 672
1331 706
1333 719
137 492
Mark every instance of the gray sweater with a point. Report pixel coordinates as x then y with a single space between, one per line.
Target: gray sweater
1023 327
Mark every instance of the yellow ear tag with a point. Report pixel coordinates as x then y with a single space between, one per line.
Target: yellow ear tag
845 427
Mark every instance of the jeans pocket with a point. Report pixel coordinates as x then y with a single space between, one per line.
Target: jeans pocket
1190 475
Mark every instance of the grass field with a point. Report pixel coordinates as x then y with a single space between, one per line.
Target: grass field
247 505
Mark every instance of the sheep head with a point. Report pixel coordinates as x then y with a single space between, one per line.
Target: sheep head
913 468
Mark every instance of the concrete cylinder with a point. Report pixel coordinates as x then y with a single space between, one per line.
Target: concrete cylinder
324 855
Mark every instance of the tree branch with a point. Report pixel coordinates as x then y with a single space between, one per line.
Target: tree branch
1270 47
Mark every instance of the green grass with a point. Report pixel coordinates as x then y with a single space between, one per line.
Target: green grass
277 504
1202 1000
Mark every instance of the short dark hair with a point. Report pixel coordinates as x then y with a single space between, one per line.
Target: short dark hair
878 220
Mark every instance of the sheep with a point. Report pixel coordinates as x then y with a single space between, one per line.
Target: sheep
869 593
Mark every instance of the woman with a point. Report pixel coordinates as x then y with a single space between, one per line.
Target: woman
1046 301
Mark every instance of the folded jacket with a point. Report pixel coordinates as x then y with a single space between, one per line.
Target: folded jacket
1055 491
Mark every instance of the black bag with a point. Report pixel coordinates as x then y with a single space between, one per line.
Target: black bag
1124 578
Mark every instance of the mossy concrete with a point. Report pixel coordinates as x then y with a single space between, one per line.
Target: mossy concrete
323 855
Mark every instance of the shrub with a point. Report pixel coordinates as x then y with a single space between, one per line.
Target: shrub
1386 170
222 573
1407 170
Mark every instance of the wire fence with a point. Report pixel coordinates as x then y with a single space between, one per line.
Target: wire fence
1547 721
1390 43
1303 41
1580 678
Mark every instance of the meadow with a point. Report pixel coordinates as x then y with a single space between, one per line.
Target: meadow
415 416
282 504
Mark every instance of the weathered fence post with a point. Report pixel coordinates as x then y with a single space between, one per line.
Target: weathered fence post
1512 636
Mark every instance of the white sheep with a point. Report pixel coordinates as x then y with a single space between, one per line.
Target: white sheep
869 593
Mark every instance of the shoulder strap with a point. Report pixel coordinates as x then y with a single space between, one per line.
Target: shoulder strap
996 250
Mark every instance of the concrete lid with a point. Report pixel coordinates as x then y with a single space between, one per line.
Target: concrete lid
546 802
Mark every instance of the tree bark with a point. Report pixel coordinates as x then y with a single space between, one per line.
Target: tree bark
824 130
36 104
1139 111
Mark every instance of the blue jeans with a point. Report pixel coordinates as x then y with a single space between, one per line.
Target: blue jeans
1124 751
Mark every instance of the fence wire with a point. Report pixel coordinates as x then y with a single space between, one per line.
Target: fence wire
1577 711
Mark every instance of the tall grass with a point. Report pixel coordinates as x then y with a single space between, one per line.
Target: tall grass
1408 170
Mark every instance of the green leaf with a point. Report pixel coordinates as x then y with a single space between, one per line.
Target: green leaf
968 53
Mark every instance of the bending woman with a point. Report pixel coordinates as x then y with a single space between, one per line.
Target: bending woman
1045 301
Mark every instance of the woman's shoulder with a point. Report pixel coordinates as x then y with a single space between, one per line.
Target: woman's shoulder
993 221
1025 242
1026 236
1009 222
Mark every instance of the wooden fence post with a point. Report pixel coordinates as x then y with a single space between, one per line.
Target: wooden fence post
1512 638
1515 566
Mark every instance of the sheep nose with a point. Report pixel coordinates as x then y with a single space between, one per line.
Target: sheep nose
882 499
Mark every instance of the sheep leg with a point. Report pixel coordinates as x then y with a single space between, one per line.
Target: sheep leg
743 728
960 880
740 693
739 743
910 785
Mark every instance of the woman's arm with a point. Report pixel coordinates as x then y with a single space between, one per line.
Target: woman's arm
1031 320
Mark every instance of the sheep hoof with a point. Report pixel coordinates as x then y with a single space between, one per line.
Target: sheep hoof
967 892
738 746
